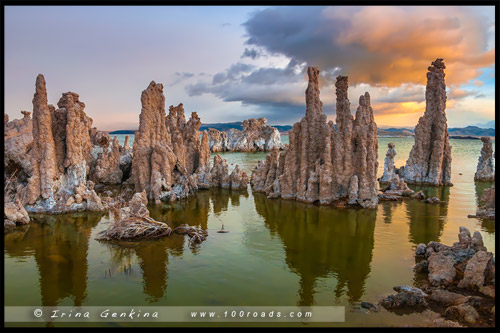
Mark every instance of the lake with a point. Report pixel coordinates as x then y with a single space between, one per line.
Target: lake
277 252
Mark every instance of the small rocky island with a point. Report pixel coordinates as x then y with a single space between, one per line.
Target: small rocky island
456 282
255 136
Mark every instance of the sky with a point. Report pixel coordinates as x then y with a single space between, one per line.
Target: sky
233 63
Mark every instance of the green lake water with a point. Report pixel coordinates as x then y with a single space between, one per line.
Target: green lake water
277 252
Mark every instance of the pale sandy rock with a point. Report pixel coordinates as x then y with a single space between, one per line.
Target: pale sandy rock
323 164
485 169
430 158
255 136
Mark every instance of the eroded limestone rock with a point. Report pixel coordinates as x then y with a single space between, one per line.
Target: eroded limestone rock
485 169
430 158
322 163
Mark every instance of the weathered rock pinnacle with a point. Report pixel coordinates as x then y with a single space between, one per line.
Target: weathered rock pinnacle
60 156
485 170
430 158
323 164
171 161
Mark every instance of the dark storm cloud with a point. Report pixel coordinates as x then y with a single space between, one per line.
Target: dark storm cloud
250 53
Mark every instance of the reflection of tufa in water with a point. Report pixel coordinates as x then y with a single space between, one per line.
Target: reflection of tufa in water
317 248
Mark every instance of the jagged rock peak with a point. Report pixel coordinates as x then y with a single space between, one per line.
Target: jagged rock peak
430 158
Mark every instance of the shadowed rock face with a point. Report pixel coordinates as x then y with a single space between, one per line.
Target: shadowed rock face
170 160
255 136
323 164
430 158
485 170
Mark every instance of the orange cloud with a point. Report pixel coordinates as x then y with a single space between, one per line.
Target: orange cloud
404 40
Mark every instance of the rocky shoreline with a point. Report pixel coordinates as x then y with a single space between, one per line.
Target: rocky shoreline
455 285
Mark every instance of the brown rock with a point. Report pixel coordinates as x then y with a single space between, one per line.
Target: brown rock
476 270
323 164
464 313
441 269
447 298
430 158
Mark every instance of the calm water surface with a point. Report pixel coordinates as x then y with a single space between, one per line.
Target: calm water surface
277 252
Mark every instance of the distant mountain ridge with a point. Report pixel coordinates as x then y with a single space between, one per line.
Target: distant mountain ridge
471 131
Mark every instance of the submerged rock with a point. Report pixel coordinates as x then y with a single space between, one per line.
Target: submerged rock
407 298
485 169
322 163
255 136
430 158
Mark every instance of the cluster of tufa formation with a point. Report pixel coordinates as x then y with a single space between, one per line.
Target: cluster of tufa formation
53 160
429 162
322 163
61 155
485 170
459 284
255 136
170 160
